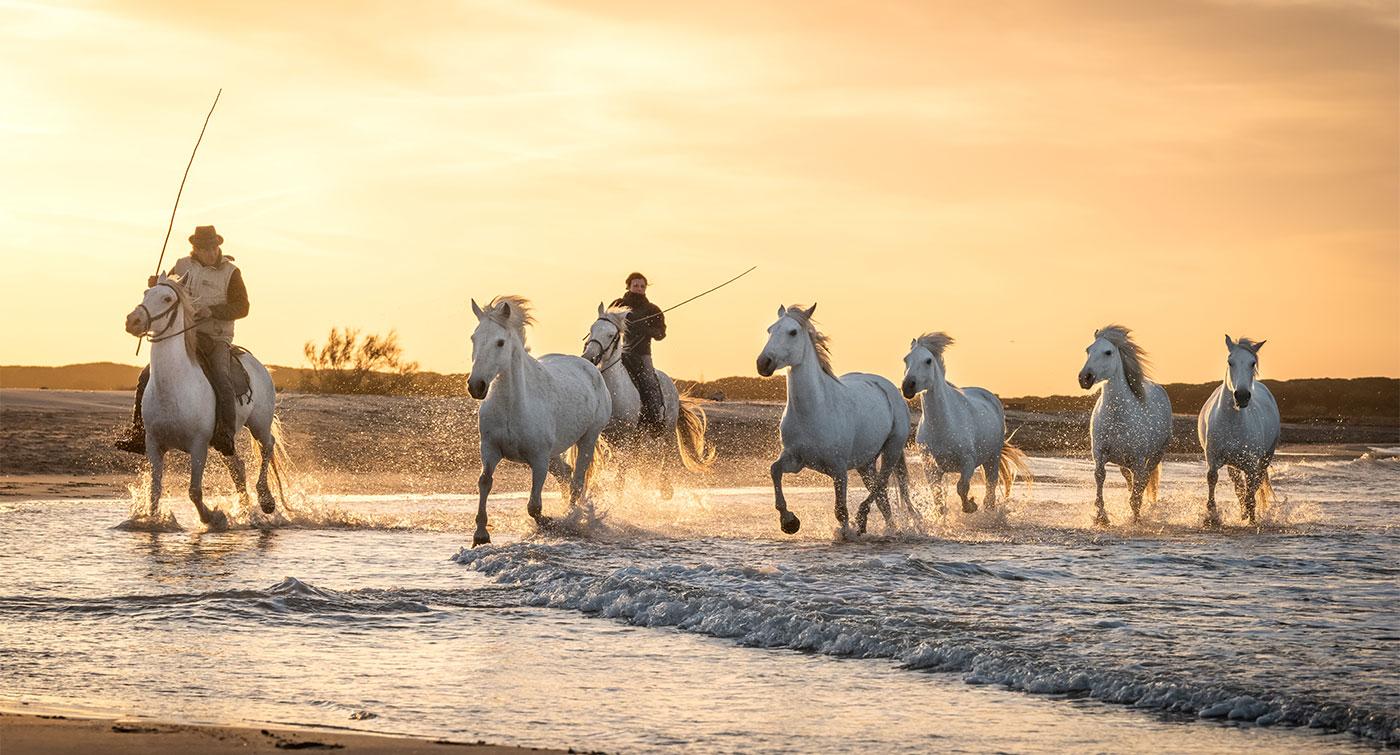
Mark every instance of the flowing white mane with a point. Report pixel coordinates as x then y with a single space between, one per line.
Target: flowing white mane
821 343
1134 359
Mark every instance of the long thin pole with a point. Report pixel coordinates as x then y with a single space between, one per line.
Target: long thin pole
174 209
181 191
697 296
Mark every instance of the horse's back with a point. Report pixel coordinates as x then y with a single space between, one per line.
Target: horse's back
879 402
578 391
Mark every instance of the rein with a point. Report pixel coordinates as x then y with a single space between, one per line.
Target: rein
603 350
168 313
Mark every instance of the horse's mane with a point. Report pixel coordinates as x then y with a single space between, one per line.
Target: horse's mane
187 310
820 341
618 317
1134 359
1252 346
935 343
519 313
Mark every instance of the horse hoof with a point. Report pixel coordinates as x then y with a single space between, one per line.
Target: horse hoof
1101 519
1212 521
217 521
790 523
482 537
969 506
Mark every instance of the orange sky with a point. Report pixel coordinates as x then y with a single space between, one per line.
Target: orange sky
1016 174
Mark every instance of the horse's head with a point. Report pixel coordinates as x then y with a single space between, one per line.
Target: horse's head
787 339
161 309
605 336
1243 365
923 366
499 334
1103 362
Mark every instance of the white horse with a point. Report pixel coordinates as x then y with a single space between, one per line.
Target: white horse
1239 428
833 425
682 415
537 408
962 428
178 406
1132 421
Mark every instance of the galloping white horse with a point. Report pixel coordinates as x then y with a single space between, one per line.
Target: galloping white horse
962 428
537 408
178 406
1132 420
682 415
833 425
1239 428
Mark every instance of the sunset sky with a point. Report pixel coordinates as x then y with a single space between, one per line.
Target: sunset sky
1016 174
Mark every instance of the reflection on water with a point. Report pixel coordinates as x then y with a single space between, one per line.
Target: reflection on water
674 623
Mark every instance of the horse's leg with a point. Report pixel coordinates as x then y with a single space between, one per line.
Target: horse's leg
156 455
539 472
1134 491
934 474
992 470
839 481
1237 477
198 457
586 448
561 470
267 446
786 464
1101 517
1253 481
239 474
964 487
489 459
1212 477
867 476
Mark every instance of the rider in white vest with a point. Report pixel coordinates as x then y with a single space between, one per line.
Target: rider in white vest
216 289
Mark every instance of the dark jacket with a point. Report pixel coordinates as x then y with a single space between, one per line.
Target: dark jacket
641 332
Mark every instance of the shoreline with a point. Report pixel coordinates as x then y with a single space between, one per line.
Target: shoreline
28 729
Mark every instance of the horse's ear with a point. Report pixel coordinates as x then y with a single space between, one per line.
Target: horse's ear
1259 346
810 310
1229 342
782 311
601 311
505 309
476 310
912 343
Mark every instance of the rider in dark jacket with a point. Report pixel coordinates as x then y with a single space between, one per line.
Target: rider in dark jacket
645 323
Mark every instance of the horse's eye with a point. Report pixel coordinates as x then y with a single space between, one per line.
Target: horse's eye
500 342
792 332
929 360
1108 353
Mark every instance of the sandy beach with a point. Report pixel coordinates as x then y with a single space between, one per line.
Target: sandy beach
59 734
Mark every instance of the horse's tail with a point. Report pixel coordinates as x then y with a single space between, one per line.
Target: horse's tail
279 454
697 453
1012 464
1154 481
1265 496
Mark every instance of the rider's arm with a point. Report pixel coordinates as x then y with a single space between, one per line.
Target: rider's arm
658 326
235 306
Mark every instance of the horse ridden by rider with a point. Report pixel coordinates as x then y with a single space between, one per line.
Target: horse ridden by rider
198 390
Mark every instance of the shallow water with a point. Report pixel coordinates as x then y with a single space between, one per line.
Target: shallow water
694 624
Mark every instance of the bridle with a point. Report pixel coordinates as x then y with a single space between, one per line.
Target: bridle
605 349
169 314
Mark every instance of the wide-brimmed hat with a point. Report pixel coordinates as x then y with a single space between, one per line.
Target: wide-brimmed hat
205 237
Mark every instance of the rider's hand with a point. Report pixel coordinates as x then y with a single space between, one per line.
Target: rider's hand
202 314
151 282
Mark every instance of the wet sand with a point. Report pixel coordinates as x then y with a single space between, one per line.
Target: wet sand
60 734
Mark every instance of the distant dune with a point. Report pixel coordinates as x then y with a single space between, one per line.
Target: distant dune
1375 400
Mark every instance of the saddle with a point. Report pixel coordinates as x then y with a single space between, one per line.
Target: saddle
237 374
